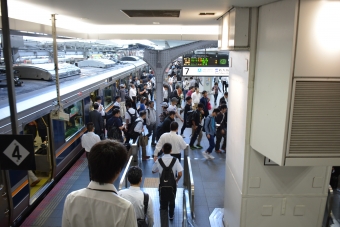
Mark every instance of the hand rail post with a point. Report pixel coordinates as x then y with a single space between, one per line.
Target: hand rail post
124 176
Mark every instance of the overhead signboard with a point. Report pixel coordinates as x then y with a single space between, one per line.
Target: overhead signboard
205 61
17 152
205 71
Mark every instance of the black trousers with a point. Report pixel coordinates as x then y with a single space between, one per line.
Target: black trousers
167 205
194 137
178 156
224 85
183 126
219 137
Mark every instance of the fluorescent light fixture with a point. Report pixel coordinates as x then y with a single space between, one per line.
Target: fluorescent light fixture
327 26
155 22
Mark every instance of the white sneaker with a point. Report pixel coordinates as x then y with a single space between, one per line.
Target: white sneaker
223 151
210 156
205 154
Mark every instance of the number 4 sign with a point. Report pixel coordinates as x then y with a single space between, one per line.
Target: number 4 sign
17 152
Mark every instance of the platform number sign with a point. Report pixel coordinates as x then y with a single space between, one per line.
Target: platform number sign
17 152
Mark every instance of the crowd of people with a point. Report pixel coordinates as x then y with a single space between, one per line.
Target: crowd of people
107 157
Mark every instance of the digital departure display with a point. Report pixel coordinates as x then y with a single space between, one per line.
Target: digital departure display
205 60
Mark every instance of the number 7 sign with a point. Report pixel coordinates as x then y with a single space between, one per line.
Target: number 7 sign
17 152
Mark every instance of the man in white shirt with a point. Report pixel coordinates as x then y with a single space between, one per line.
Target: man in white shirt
132 91
185 86
88 140
173 107
225 83
136 196
165 94
177 142
117 102
196 96
99 203
166 202
151 122
101 109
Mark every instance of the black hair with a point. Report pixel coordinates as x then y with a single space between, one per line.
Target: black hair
191 87
142 113
226 93
224 106
115 111
89 126
117 97
134 174
98 98
188 98
173 126
151 102
167 148
216 110
172 112
95 106
177 86
203 92
128 104
191 77
106 160
200 105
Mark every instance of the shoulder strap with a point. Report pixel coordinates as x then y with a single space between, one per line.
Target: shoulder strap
129 113
146 201
172 163
160 161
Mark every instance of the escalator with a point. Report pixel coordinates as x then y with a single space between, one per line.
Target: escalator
184 211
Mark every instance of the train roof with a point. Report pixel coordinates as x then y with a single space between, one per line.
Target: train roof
41 94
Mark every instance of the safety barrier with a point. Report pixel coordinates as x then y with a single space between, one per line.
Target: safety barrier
328 209
123 181
189 180
135 152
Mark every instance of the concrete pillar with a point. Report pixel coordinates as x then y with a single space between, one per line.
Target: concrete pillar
257 194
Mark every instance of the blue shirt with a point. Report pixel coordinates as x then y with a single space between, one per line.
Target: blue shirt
210 126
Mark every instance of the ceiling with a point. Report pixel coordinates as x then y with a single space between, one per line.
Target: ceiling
104 16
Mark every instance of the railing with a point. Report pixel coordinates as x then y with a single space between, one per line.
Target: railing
135 152
123 180
189 181
187 217
328 210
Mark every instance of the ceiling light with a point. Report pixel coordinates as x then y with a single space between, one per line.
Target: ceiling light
207 14
155 22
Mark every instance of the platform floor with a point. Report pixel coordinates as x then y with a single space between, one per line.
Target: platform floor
209 178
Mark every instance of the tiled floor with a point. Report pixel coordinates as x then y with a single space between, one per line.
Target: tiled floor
208 181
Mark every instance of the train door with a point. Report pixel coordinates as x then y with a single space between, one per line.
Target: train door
4 201
42 175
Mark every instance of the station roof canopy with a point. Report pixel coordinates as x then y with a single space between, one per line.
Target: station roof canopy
105 19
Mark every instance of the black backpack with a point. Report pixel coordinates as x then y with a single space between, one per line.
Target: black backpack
131 130
141 222
133 117
189 118
167 182
115 133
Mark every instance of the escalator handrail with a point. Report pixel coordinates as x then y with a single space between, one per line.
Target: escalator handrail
124 176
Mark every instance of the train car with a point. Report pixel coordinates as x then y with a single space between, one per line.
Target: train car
97 63
57 143
45 71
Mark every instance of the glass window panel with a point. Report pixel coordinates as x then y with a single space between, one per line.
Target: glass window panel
108 96
76 121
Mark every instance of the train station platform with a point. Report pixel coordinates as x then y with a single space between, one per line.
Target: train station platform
208 176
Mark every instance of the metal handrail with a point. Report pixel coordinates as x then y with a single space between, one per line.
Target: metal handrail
189 180
124 176
187 218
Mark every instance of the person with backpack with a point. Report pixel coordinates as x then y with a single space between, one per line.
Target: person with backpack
221 132
164 113
141 201
197 118
151 122
187 108
210 130
130 117
114 126
137 128
176 141
168 168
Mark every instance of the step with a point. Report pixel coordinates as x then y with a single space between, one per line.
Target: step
153 192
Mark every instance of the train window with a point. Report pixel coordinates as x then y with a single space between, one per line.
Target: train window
76 121
108 96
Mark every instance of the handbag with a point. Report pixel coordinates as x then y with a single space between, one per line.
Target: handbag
142 222
208 106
